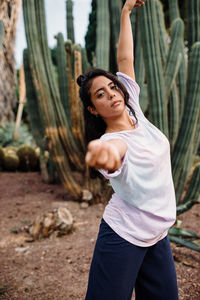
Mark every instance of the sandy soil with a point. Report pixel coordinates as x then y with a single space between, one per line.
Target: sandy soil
57 268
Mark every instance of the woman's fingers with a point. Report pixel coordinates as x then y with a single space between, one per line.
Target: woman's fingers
94 148
139 3
134 3
102 155
114 160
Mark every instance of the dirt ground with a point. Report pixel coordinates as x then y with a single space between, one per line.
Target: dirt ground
57 267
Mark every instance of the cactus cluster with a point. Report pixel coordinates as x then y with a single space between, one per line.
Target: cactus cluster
57 107
23 158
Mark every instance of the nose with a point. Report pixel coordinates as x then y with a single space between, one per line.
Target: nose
111 95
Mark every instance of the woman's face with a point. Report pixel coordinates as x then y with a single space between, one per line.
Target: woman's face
107 98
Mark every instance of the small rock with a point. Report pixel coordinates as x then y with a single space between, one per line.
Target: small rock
22 249
69 261
84 205
87 195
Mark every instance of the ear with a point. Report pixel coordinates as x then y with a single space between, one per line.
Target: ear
92 110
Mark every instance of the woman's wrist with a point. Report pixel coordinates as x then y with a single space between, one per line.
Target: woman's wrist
126 9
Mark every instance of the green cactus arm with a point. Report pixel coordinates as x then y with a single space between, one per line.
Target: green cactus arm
103 35
85 63
174 56
196 143
138 57
153 66
171 70
181 81
36 120
163 35
70 21
180 209
193 190
144 101
173 10
183 233
78 125
1 32
189 161
62 75
179 188
190 115
193 28
115 11
182 242
173 115
90 37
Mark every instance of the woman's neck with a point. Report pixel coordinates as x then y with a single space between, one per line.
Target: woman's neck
121 123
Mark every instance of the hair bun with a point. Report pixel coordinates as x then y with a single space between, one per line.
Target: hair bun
80 80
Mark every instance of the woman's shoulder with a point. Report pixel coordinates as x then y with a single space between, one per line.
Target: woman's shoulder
129 82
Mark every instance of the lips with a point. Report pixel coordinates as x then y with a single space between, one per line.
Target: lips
115 103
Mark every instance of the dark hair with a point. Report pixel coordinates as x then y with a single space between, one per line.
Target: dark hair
95 127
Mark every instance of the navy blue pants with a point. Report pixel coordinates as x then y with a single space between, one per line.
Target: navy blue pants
118 266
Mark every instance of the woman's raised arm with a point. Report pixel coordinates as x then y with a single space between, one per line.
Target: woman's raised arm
125 56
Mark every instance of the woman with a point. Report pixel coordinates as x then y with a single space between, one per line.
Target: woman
132 248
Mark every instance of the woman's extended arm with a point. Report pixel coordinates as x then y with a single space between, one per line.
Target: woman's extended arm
125 57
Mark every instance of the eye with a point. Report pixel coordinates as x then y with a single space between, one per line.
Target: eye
114 87
100 94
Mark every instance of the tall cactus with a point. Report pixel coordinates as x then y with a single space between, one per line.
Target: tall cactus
61 112
46 102
115 10
62 122
173 10
62 75
90 37
103 35
70 21
36 119
153 66
193 22
190 115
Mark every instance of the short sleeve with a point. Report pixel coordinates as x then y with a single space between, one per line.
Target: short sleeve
105 173
134 92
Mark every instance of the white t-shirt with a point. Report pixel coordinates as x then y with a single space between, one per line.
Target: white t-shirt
143 207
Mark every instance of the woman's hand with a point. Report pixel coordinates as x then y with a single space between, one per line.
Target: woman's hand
133 3
103 155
